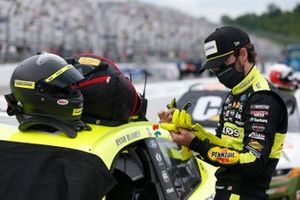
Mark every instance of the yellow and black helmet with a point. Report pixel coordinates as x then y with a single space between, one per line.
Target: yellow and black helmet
41 93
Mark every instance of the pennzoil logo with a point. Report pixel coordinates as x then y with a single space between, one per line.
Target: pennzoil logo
89 61
224 156
24 84
77 111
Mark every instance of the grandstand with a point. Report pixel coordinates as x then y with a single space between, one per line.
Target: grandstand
125 31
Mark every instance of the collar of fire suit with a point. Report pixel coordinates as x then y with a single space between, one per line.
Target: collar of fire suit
247 82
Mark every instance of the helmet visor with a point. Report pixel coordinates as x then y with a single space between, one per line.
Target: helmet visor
64 77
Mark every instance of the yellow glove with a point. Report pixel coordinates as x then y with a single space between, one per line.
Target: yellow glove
182 119
185 152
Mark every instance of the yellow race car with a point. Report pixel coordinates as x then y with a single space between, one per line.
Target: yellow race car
136 161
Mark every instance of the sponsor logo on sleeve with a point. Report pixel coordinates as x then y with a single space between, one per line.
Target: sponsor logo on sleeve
258 120
256 145
230 131
258 127
258 136
243 97
238 116
223 155
260 106
256 153
259 113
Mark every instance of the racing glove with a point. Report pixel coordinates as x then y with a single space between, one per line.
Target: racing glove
186 153
182 119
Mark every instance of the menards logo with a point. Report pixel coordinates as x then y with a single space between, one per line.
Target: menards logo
24 84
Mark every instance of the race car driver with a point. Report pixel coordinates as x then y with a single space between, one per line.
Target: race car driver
253 120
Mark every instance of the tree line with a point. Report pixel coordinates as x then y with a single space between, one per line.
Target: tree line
280 26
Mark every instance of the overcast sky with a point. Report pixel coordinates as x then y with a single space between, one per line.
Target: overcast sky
212 10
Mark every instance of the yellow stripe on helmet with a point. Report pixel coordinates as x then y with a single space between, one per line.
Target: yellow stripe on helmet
58 73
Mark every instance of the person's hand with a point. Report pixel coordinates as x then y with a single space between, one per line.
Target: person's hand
182 137
165 116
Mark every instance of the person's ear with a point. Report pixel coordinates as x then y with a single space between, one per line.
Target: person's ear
243 55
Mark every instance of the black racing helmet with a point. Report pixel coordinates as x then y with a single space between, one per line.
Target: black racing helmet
41 93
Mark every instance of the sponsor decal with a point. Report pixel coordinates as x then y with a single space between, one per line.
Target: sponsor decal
62 102
258 127
241 108
258 86
149 131
260 106
153 144
238 116
158 157
236 43
230 131
219 187
256 153
257 136
232 112
259 113
247 82
255 145
224 156
227 113
236 104
243 97
227 101
170 190
165 176
89 61
239 123
77 111
157 133
210 47
229 188
24 84
127 138
260 120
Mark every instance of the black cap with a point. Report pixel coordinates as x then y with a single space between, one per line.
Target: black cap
219 45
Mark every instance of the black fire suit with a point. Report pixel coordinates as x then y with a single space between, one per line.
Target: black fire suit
253 123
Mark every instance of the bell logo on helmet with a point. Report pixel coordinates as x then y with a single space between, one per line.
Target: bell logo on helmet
62 102
24 84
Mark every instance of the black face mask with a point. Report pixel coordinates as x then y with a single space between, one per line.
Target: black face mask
229 75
